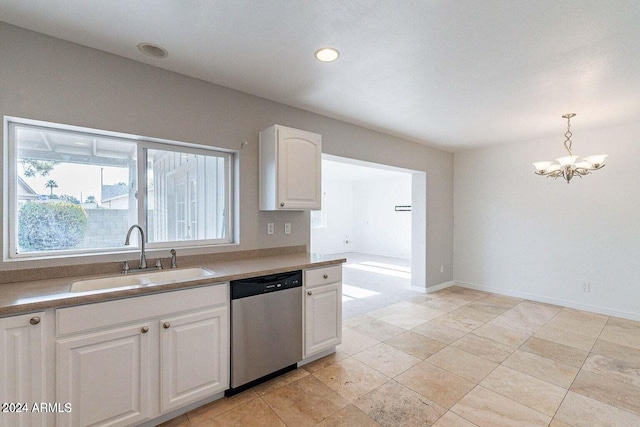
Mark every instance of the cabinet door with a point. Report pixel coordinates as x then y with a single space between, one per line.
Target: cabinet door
323 318
194 357
22 368
299 164
105 377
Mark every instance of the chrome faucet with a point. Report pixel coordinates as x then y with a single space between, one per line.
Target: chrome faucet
143 255
174 262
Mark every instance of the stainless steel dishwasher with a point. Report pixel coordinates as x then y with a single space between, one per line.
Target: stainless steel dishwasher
266 328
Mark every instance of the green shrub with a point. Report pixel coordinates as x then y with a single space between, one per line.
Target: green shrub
50 226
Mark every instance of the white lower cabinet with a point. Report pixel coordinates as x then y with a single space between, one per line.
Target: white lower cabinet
105 377
22 370
127 361
193 357
322 309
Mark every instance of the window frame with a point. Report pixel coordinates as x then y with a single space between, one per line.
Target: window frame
143 144
322 212
143 148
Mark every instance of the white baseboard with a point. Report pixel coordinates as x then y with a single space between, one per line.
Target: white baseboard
554 301
440 286
383 254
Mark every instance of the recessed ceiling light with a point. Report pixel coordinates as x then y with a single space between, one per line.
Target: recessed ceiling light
327 54
153 50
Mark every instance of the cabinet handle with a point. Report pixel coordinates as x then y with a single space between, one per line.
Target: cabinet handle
309 293
166 325
144 329
34 320
282 204
326 276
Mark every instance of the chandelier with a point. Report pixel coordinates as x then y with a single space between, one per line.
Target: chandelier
569 166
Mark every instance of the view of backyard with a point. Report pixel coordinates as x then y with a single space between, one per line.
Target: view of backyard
79 191
65 185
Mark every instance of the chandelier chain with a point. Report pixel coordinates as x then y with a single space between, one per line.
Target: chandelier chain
568 135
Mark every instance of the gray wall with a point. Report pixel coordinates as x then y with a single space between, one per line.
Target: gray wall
104 228
48 79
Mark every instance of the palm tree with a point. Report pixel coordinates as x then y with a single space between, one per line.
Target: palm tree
51 184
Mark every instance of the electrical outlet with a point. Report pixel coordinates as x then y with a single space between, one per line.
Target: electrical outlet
586 287
287 228
270 228
442 269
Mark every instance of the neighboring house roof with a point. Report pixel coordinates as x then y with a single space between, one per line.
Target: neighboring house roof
25 191
110 192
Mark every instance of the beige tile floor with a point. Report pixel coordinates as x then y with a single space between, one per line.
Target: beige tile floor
458 358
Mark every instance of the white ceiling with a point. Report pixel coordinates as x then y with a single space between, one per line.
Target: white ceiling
454 74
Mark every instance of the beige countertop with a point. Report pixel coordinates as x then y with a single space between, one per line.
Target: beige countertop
29 296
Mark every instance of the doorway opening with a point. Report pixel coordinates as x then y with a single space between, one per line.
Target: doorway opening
371 215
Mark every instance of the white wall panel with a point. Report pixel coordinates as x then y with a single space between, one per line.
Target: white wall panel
522 234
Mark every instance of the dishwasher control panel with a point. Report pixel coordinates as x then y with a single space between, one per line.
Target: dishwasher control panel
265 284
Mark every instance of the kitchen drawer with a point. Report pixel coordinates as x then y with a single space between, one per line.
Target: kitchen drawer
86 317
322 276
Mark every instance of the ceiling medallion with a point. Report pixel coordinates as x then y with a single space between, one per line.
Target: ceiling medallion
568 166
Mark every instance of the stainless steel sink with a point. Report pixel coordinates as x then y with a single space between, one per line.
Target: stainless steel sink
141 279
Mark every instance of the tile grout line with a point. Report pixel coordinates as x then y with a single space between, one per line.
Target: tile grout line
580 370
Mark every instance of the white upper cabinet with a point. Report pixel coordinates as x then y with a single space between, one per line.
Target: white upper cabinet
290 163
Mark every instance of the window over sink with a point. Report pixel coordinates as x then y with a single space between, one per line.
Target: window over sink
75 190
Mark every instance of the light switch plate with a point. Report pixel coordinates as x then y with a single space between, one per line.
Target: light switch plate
270 228
287 228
